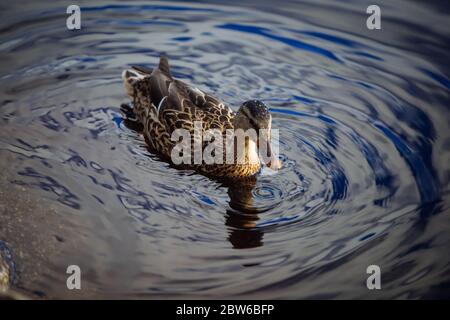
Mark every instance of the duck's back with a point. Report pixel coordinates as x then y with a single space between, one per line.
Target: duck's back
163 104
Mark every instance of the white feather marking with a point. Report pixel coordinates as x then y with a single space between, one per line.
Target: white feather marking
253 153
198 91
159 106
136 75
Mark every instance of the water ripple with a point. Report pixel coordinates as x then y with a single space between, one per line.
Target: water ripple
364 142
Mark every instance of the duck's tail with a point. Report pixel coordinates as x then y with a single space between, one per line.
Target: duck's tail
137 73
164 66
147 88
131 76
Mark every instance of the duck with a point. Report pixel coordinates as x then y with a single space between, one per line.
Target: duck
162 104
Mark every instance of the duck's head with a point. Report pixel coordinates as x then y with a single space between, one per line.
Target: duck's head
254 114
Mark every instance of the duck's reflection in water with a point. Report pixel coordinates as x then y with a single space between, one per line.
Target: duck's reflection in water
242 217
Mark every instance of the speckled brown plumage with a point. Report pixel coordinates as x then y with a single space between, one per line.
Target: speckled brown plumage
162 104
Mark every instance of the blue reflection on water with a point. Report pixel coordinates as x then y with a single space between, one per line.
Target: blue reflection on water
364 144
289 41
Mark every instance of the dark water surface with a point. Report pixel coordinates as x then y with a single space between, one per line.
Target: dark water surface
364 138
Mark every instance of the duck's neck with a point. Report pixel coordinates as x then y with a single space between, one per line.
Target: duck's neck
250 154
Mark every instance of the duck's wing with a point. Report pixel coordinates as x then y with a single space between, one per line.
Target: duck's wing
205 101
159 81
147 87
176 110
215 114
174 103
185 104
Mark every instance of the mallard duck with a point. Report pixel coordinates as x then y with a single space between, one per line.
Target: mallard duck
162 104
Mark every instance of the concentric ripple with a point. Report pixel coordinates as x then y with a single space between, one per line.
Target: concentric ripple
363 120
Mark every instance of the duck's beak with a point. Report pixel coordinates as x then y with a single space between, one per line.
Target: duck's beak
270 159
273 162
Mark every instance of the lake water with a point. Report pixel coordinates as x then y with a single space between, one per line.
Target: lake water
363 117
